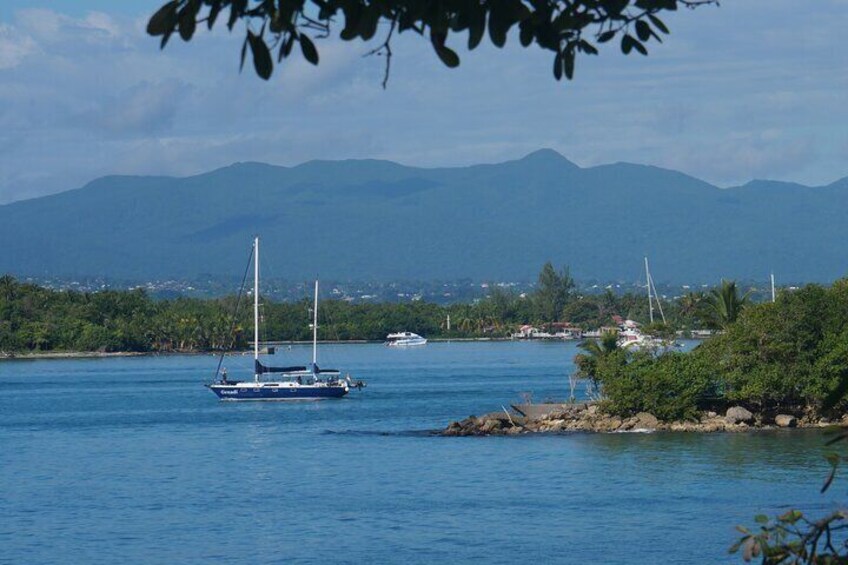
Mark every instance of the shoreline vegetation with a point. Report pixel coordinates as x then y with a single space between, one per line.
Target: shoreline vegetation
25 355
35 319
776 364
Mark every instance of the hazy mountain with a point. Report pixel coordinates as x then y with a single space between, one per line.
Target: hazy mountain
380 220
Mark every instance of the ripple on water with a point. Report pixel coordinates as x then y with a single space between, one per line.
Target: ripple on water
131 460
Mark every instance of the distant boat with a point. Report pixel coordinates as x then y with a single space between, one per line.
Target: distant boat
294 383
629 335
405 339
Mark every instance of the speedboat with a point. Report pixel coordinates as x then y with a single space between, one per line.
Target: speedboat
404 339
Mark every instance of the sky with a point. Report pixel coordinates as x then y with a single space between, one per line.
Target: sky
749 90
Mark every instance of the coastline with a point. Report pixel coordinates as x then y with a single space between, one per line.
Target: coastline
10 356
6 356
588 417
31 356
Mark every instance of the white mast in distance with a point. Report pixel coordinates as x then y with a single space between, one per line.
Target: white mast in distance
256 303
648 281
773 296
315 329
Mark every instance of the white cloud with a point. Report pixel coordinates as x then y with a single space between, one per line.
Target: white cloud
726 98
51 27
14 46
144 108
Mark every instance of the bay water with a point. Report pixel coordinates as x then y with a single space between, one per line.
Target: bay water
132 460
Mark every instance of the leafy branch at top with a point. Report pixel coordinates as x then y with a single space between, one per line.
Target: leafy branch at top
564 27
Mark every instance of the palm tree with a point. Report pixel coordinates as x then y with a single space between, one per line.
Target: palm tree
587 362
594 350
690 303
724 304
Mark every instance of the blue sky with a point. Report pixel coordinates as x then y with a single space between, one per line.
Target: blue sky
753 89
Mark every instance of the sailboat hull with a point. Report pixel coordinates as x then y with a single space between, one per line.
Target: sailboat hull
265 392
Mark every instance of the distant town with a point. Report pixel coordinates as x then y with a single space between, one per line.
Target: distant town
357 292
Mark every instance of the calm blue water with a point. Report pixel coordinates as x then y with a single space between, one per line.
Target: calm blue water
132 460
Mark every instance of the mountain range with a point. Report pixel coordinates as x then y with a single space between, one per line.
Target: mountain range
378 220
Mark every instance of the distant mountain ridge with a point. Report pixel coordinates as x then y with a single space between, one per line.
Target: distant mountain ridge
379 220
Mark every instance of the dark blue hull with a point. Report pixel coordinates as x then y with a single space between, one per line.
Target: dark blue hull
265 392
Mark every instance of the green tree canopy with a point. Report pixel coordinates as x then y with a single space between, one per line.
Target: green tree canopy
566 28
554 292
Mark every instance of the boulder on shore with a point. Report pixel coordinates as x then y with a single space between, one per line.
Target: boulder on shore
646 421
540 411
587 417
785 421
738 415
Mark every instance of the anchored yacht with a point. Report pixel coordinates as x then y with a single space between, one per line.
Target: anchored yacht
293 383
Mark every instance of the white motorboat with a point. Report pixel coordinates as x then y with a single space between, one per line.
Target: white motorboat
405 339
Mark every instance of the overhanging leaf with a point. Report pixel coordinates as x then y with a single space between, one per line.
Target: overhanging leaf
568 60
558 66
643 30
261 56
187 23
310 53
658 23
448 56
606 36
163 20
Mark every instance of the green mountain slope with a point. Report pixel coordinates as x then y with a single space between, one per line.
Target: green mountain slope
380 220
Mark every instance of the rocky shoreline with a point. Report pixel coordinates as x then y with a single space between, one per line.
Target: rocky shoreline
588 417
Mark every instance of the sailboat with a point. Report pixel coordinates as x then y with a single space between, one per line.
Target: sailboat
630 337
292 383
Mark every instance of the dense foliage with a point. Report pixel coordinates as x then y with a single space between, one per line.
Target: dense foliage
566 28
792 354
668 386
38 319
34 318
789 356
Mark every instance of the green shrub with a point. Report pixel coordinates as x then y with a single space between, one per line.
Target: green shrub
668 386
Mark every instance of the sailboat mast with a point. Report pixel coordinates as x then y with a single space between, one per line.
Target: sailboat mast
256 303
657 298
772 288
315 328
648 281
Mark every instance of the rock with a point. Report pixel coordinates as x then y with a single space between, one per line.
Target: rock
628 424
490 426
683 427
608 424
738 415
556 425
711 414
785 421
645 420
592 410
712 426
469 421
539 411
